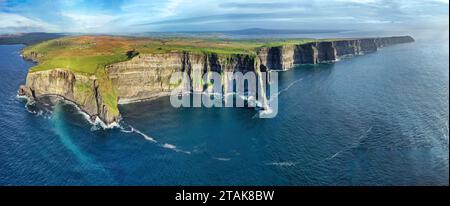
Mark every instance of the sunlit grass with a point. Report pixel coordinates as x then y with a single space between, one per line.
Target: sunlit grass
86 54
81 64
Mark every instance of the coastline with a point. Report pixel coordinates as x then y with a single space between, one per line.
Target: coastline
130 83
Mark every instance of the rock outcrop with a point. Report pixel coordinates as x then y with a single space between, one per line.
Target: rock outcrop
80 89
146 76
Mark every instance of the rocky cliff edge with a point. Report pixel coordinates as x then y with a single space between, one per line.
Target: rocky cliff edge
147 76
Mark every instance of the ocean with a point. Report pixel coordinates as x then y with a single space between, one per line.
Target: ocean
377 119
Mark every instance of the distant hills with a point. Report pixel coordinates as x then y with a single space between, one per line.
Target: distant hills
259 31
243 32
33 38
28 38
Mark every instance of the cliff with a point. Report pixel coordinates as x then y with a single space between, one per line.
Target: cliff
80 89
285 57
146 76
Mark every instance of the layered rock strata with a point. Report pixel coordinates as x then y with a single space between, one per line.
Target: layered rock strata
147 76
285 57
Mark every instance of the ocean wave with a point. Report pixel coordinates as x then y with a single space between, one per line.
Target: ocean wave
147 137
169 146
122 129
335 155
174 148
222 158
45 113
22 97
289 86
133 130
282 164
352 146
97 123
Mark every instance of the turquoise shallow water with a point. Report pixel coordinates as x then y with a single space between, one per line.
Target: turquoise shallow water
378 119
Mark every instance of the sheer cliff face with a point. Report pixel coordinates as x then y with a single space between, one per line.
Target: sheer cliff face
280 57
148 76
79 89
285 57
144 76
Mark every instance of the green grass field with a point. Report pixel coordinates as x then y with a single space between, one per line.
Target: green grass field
86 54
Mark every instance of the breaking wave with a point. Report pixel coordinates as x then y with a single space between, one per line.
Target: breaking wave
97 124
289 86
222 158
282 164
352 146
130 129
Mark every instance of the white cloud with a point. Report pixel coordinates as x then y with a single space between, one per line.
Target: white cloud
138 15
155 9
171 7
442 1
359 1
374 21
14 22
88 23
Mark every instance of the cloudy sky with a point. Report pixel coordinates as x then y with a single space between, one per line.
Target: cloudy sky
122 16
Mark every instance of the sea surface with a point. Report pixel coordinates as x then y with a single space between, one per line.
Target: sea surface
377 119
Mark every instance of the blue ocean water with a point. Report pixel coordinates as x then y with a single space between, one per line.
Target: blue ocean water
378 119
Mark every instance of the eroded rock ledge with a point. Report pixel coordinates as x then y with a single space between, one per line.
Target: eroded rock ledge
147 76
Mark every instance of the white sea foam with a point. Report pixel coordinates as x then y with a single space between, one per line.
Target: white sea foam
169 146
122 129
147 137
222 158
283 164
290 85
29 101
143 135
22 97
96 123
38 112
335 155
351 146
174 148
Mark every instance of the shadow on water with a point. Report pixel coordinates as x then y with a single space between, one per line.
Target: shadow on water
59 125
64 119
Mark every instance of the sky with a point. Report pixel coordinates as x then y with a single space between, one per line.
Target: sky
134 16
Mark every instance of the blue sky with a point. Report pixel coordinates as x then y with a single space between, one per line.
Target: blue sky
124 16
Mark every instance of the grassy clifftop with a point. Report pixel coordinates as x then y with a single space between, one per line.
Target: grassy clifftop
87 54
78 54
